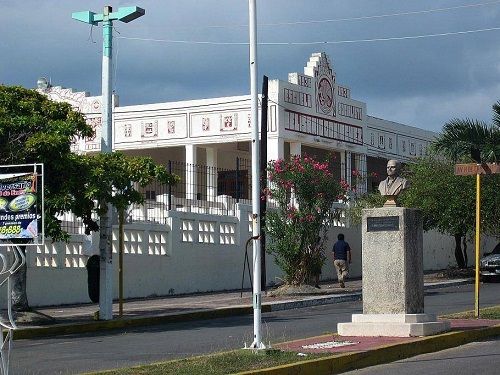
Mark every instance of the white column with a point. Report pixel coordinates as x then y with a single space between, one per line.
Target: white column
191 183
275 148
295 148
346 167
360 165
211 173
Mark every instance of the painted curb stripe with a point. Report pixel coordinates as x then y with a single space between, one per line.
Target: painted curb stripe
356 360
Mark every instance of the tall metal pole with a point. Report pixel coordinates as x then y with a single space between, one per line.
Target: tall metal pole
106 264
125 14
257 294
263 174
478 232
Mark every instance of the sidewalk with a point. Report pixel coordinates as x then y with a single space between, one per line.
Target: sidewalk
80 318
352 353
347 353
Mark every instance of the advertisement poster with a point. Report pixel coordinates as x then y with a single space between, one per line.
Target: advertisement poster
18 208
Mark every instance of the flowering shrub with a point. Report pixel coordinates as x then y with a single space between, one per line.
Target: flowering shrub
304 191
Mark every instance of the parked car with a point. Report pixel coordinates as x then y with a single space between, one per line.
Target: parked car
490 264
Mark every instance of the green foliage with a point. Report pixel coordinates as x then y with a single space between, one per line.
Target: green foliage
110 178
485 313
471 139
365 201
220 363
496 114
447 201
34 129
304 191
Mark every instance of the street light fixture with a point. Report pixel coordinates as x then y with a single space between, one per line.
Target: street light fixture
124 14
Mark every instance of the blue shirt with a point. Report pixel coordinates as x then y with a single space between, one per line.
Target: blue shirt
340 250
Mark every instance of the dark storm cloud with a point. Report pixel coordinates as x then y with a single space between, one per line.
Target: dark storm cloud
421 82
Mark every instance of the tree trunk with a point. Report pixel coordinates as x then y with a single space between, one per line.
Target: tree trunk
121 220
459 256
464 242
18 294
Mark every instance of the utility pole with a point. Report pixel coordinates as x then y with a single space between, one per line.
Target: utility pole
125 14
257 293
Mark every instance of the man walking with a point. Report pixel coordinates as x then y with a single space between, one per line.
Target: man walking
341 259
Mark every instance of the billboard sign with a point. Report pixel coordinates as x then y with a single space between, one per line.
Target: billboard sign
18 206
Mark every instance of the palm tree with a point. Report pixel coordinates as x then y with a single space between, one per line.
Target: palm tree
464 139
496 114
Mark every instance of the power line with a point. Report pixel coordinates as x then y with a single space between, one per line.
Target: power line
380 15
360 18
171 41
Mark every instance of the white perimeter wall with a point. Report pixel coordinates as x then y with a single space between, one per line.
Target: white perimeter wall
191 253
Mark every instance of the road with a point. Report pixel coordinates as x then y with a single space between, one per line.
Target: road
474 358
73 354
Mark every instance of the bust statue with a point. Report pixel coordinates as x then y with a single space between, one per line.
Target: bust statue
393 184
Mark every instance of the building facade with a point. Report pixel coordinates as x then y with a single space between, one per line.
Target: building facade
310 113
194 239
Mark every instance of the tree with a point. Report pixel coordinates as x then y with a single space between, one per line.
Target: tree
304 191
356 206
447 201
34 129
471 139
466 140
111 179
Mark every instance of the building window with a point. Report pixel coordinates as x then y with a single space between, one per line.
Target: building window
381 141
150 129
233 183
150 194
205 124
171 127
127 130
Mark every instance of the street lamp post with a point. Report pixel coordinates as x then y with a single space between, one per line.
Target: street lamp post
125 14
257 293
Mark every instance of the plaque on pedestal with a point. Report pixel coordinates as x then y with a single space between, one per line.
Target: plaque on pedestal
393 278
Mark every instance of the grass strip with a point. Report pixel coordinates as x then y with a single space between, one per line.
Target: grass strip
484 313
220 363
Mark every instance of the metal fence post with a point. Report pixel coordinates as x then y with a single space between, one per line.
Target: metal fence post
169 188
238 180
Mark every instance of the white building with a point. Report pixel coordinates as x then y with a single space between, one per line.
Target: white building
310 113
192 239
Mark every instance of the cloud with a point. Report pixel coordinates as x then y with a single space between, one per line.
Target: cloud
420 82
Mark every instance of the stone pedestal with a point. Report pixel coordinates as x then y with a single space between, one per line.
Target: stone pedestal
393 278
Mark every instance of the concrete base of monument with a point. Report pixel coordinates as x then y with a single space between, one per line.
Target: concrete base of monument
393 325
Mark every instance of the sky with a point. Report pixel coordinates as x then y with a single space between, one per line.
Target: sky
421 82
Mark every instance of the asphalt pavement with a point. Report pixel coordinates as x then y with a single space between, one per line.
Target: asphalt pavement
54 320
347 352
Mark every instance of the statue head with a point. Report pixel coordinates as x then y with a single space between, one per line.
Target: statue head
393 184
393 168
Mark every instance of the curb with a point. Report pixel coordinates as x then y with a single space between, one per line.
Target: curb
102 325
95 326
339 363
